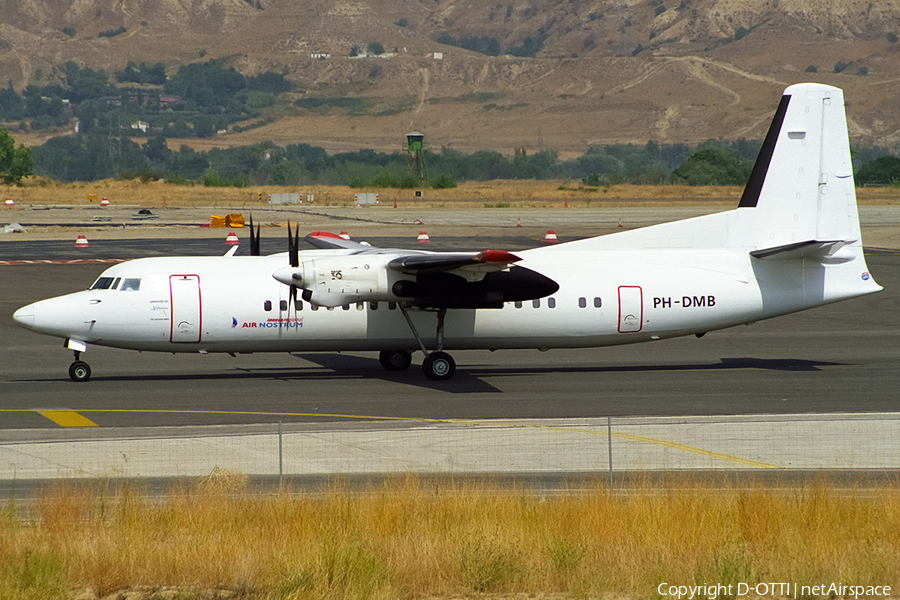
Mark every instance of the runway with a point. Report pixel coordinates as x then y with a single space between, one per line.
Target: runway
839 358
802 393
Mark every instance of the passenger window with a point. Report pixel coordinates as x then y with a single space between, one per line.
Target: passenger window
392 306
536 303
373 305
597 303
551 302
298 305
267 305
518 304
582 303
346 307
283 305
315 307
360 305
130 285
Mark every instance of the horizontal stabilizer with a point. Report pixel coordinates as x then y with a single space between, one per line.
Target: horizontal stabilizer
816 249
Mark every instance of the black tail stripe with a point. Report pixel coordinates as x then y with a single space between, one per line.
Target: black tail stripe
750 197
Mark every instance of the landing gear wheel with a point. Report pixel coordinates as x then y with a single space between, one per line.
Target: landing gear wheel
439 366
395 360
79 371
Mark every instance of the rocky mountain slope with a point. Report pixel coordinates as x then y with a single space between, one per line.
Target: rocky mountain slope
562 74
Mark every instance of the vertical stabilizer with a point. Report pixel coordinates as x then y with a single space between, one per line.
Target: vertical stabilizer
801 189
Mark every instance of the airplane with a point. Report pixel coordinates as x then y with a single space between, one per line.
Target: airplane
792 243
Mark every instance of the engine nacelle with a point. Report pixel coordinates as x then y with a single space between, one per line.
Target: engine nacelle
334 281
338 280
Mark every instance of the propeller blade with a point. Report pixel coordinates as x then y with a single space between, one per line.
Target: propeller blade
294 246
254 238
294 256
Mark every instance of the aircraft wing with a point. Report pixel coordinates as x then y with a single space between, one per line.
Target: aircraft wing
425 279
484 261
413 262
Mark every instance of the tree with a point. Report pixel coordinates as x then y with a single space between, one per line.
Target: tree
15 163
712 166
375 48
881 171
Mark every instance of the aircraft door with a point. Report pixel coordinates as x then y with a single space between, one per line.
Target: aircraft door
631 309
185 309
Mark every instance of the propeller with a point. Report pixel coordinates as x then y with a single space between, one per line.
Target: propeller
294 257
254 238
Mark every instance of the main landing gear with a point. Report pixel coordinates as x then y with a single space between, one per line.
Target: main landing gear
79 370
438 365
395 360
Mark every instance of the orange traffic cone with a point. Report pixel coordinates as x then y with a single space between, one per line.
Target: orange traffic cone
344 235
232 239
423 237
551 237
81 242
620 222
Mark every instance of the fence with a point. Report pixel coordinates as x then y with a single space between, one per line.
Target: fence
586 446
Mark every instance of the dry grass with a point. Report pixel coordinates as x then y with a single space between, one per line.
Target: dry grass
475 194
412 539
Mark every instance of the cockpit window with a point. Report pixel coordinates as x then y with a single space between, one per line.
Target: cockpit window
105 283
130 285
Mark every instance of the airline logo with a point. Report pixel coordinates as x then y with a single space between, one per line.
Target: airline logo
293 322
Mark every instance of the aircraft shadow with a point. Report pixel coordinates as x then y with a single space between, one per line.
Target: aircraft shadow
467 380
725 364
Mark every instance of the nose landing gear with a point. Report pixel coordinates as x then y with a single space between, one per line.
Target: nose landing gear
79 370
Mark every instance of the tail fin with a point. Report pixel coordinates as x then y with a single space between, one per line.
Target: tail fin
800 203
801 199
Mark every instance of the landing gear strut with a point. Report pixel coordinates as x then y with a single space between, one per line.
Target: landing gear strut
438 365
79 370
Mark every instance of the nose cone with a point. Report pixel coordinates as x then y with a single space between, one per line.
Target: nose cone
25 316
289 275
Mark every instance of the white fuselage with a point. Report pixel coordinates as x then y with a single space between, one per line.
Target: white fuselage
232 304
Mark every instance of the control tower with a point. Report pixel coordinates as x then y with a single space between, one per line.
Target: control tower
415 150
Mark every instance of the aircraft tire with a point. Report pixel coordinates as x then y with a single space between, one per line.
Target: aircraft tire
79 371
395 360
439 366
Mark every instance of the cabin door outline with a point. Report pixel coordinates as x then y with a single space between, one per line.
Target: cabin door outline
186 308
631 309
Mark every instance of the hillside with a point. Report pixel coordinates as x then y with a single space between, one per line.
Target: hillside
603 71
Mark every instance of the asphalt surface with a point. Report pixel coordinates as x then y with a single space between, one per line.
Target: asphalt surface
839 358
